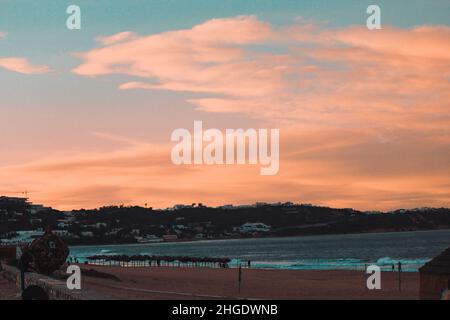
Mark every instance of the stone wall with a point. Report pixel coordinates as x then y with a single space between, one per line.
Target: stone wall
56 289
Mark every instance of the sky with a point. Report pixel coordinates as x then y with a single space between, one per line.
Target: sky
86 115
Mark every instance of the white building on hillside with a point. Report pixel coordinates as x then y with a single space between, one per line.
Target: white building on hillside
254 227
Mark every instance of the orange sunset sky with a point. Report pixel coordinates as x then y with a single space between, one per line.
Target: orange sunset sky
86 116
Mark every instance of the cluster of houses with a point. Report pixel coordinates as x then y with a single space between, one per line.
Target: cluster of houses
69 226
27 236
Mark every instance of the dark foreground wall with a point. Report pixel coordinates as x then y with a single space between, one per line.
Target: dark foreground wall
55 289
432 285
7 252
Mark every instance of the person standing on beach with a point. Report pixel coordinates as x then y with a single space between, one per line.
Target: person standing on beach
23 264
239 278
399 276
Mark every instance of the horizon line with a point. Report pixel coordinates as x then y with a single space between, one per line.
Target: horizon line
237 206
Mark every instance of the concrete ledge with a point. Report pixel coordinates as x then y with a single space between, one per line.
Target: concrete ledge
56 289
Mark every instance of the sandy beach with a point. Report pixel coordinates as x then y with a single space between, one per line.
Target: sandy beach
206 283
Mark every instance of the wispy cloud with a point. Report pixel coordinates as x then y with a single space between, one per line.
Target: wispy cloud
348 168
23 66
303 71
116 38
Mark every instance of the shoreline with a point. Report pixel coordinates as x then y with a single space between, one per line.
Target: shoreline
293 253
255 238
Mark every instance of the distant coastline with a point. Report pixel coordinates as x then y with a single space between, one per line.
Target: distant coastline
259 237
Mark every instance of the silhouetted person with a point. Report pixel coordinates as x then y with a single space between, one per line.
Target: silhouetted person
240 278
24 264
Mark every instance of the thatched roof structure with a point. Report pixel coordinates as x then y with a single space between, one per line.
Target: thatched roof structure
199 261
439 265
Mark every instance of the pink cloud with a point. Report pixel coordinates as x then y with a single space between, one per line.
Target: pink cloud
135 85
430 42
363 115
308 80
22 65
328 167
117 38
206 58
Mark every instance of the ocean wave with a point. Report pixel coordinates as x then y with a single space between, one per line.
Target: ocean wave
387 261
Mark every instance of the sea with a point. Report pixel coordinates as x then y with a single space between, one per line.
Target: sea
320 252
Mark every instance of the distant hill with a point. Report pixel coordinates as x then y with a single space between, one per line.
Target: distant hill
129 224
